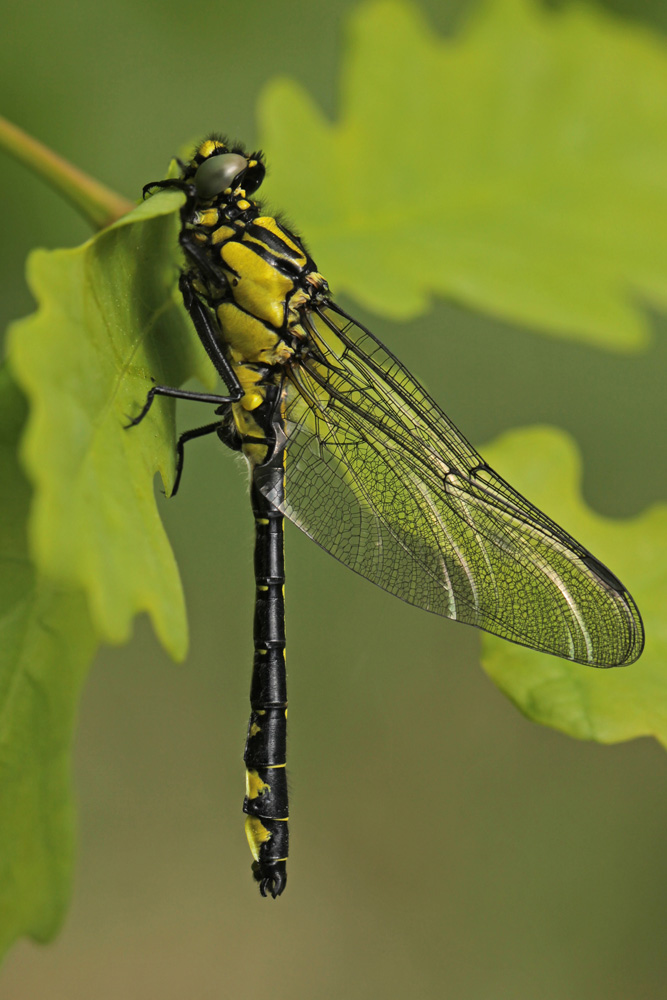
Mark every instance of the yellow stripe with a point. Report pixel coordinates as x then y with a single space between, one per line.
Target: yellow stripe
270 224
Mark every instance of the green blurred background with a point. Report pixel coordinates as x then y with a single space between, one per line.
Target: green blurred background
442 845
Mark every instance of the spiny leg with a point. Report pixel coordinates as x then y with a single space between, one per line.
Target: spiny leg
167 390
209 336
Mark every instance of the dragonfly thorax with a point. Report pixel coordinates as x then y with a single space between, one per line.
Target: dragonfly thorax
255 273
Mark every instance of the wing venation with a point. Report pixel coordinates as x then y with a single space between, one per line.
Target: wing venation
383 480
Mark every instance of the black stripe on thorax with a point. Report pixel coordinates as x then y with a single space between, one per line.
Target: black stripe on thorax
269 239
265 249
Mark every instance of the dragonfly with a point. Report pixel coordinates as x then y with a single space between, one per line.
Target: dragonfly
341 439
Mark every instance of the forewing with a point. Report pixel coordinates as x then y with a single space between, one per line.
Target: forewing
377 475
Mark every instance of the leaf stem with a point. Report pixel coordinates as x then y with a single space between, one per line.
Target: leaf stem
98 204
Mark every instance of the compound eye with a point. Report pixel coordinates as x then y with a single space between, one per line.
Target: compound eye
253 176
217 173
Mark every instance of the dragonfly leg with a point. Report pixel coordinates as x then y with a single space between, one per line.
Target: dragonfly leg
207 330
169 183
196 432
202 265
209 335
167 390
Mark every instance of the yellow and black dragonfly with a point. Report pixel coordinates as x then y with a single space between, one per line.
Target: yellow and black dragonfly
341 439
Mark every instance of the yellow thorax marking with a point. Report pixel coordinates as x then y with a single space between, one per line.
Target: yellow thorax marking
208 217
248 338
269 223
261 289
222 233
209 146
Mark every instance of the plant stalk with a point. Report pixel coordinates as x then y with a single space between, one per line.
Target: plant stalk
98 204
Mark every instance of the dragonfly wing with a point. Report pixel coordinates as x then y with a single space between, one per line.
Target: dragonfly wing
377 475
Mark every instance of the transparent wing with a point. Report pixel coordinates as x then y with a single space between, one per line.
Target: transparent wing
378 476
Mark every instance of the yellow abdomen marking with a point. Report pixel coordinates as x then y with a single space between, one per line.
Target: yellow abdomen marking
246 424
257 835
254 785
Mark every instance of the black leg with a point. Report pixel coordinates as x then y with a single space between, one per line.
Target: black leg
209 334
196 252
196 432
166 390
172 182
207 331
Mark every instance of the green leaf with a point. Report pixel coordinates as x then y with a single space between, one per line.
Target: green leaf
603 705
108 320
518 168
46 643
82 546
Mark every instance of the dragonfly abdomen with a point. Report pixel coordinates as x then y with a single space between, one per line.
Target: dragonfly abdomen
266 801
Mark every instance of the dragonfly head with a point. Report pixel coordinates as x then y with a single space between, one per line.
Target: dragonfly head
222 172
